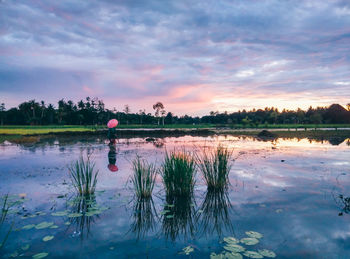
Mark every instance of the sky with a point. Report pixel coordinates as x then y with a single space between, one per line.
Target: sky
193 56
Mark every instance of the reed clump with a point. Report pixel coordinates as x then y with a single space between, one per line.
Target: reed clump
178 172
144 177
215 167
84 176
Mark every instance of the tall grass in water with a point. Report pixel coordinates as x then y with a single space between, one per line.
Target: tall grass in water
84 176
178 173
4 210
215 166
144 177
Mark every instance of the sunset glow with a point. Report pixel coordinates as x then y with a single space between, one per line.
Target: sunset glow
194 56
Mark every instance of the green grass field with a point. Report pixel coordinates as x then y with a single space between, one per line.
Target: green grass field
30 130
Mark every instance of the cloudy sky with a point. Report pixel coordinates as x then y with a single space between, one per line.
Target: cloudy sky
194 56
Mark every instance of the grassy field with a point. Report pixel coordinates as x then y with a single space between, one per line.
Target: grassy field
30 130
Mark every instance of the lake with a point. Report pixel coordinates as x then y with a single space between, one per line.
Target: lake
291 191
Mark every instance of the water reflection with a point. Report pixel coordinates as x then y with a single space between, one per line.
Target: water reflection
112 158
179 217
344 203
144 217
214 216
83 213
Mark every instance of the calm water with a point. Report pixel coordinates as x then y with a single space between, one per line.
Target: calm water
287 190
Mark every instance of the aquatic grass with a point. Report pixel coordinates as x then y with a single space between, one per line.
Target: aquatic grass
144 177
178 172
4 211
84 176
215 167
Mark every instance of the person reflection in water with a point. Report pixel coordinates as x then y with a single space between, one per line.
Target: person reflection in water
112 158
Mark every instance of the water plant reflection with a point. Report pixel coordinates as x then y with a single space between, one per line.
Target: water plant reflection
84 211
178 217
214 213
144 217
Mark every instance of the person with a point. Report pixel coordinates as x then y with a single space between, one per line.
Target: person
111 135
112 159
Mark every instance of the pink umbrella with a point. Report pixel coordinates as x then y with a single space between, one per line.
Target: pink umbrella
112 123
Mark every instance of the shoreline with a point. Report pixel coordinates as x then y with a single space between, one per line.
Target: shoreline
333 136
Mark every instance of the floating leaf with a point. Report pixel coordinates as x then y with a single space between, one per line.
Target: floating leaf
231 240
233 256
267 253
234 248
30 226
252 254
54 226
40 255
216 256
67 223
59 213
74 215
44 225
169 216
254 234
25 247
279 210
164 212
187 250
14 254
249 241
48 238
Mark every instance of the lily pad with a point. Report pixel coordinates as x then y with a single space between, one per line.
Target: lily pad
231 240
54 226
252 254
25 247
233 256
30 226
216 256
67 223
254 234
74 215
187 250
59 213
48 238
234 248
164 212
43 225
267 253
40 255
169 216
249 241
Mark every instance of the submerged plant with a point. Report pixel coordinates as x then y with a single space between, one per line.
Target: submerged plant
178 172
215 166
144 177
84 176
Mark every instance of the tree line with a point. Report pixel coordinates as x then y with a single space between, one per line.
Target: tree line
92 111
